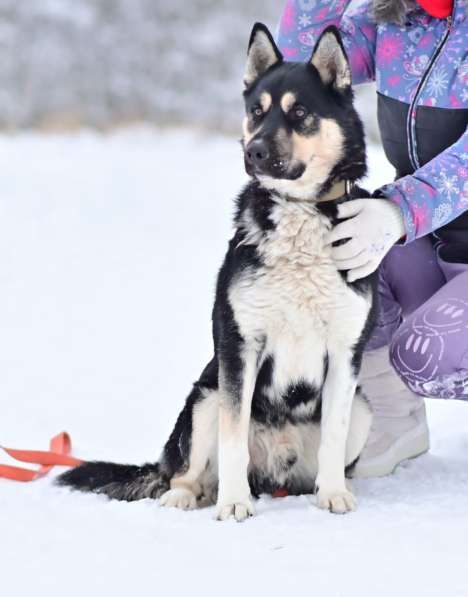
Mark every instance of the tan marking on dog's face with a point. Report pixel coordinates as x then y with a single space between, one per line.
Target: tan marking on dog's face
247 132
283 142
287 101
320 152
265 101
326 145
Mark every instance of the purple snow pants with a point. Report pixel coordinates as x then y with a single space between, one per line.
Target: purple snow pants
423 317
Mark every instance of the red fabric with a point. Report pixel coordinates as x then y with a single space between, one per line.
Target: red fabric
59 454
279 493
440 9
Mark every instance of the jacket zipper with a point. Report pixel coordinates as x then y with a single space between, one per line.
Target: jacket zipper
411 119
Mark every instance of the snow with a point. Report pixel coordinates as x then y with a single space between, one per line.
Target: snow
110 245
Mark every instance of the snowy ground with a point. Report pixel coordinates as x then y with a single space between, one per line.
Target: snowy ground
109 248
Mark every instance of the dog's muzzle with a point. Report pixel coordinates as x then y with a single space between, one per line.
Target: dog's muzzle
262 159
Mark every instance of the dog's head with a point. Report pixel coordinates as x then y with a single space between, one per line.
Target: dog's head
301 131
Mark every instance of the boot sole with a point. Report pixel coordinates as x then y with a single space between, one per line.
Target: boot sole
411 445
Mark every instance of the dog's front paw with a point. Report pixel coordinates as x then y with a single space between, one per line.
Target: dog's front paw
179 498
338 501
240 509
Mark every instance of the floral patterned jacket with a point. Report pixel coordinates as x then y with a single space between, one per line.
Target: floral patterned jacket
421 72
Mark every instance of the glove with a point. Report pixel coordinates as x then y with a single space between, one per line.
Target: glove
373 227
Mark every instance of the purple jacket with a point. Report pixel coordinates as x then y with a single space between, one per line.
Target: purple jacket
421 72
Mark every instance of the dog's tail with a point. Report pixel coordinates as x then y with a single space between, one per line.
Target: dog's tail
128 482
125 482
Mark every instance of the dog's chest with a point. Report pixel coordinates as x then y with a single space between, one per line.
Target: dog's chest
297 286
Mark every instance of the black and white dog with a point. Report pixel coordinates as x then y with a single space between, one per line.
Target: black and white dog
278 407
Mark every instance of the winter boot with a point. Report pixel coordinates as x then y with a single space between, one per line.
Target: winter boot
399 430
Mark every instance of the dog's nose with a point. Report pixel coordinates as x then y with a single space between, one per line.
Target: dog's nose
257 152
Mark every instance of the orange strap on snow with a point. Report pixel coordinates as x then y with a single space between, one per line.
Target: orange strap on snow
59 454
279 493
60 448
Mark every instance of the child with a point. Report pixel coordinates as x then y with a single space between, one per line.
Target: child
417 54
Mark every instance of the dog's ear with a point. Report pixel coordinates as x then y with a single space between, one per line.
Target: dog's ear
261 55
329 58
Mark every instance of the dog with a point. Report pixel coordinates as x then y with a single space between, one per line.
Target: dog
279 406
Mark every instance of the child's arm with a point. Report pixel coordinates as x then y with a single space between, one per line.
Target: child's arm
436 193
303 21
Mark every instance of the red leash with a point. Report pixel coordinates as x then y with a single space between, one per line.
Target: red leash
59 454
60 448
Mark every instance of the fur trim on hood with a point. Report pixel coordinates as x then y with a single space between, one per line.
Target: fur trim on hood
392 11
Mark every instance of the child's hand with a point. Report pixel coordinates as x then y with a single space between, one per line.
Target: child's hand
373 227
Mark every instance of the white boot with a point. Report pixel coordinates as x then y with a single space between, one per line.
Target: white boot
399 430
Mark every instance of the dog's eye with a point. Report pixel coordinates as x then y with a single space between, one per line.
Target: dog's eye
257 111
298 112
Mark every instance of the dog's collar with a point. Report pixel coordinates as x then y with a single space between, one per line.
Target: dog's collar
339 189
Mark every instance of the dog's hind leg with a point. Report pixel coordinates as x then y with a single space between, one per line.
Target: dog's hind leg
185 488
